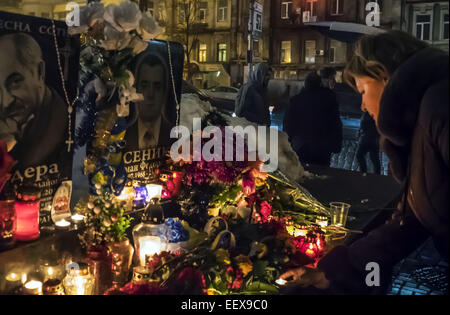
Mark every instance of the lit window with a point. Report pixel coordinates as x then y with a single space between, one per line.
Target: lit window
286 7
222 52
202 53
423 26
310 51
337 7
222 11
286 52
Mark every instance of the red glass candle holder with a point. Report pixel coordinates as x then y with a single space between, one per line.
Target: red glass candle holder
309 246
7 223
27 214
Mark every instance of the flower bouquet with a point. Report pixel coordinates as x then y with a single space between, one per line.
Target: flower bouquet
242 227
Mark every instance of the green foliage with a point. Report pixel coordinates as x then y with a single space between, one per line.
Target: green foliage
225 195
105 219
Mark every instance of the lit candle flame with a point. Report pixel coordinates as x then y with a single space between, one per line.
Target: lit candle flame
79 282
77 217
149 245
281 282
33 284
62 223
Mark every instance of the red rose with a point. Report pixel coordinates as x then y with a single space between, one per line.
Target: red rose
235 278
248 185
189 281
266 211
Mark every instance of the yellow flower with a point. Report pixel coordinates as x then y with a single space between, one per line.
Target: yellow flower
213 212
259 182
244 263
212 292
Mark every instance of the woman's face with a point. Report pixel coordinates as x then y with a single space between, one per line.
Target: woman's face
371 90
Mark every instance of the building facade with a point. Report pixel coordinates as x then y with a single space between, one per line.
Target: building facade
428 21
218 37
297 49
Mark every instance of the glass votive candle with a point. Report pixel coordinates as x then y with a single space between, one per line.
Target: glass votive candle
339 213
77 218
322 221
7 223
148 246
78 280
27 213
32 287
141 273
53 287
13 280
62 224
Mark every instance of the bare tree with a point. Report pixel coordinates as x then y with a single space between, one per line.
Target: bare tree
188 26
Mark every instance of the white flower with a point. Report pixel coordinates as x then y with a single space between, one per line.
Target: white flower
114 40
89 16
138 45
125 17
148 27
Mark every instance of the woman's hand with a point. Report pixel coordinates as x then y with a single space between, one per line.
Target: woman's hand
306 277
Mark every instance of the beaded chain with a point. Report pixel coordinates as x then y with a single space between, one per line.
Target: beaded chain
173 85
69 141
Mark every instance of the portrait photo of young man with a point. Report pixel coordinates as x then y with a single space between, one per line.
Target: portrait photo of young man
151 119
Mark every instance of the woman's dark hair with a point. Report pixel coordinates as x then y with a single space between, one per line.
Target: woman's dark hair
313 81
378 56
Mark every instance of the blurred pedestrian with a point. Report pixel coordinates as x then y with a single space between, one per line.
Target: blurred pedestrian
368 143
313 124
251 100
328 75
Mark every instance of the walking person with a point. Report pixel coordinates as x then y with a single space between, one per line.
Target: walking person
368 143
251 101
313 124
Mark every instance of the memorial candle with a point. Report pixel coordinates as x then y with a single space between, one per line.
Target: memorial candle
77 218
27 214
33 287
148 246
153 191
62 224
